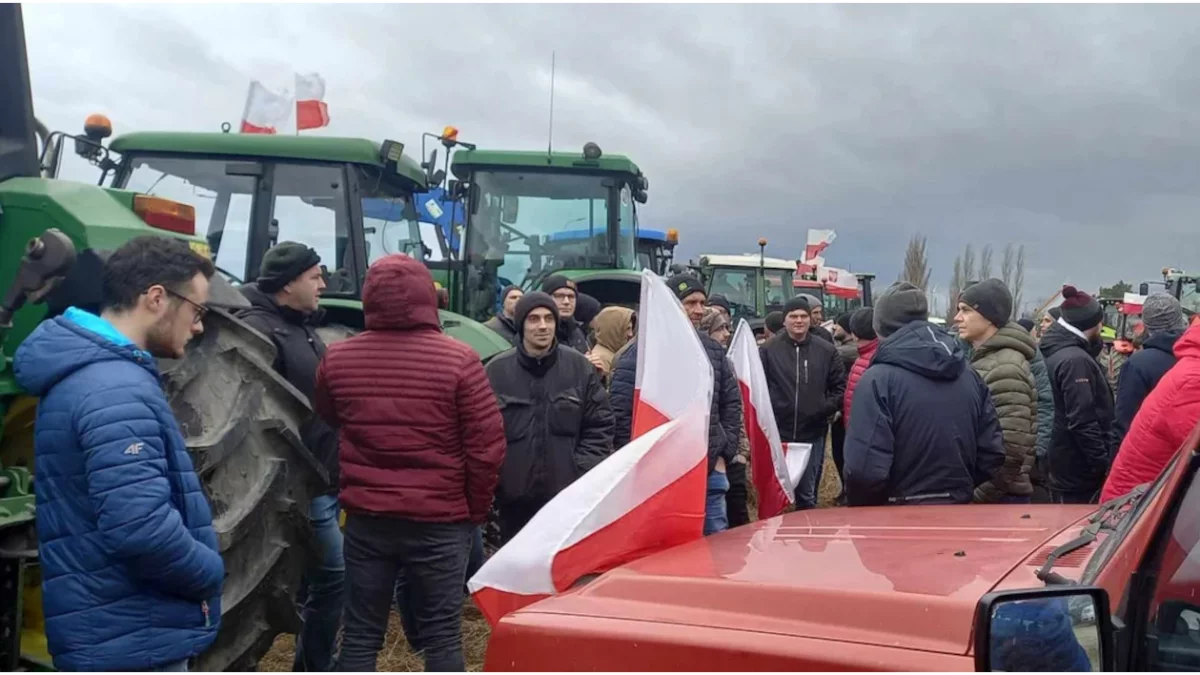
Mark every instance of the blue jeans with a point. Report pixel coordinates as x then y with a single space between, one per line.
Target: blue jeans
716 515
810 482
322 594
404 608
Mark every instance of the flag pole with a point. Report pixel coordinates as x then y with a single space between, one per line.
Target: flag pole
246 106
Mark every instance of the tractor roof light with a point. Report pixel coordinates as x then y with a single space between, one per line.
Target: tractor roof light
762 242
449 136
672 236
97 127
591 151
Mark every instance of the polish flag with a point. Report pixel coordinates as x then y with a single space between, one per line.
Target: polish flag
264 110
810 266
775 467
818 241
839 283
311 111
1132 303
646 497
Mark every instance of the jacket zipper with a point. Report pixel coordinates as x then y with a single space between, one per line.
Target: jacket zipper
796 396
207 619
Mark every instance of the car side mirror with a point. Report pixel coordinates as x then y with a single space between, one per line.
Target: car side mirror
1055 629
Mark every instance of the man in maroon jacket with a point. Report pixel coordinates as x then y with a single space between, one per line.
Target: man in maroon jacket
421 443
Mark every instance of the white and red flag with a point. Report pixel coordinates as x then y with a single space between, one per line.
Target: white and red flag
1132 303
264 110
839 283
647 497
775 467
818 241
311 111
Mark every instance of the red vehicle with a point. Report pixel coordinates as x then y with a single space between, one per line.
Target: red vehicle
925 588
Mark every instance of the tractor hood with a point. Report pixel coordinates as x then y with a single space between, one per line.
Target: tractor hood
902 577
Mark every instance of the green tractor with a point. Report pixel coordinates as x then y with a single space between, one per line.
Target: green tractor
231 196
533 214
754 284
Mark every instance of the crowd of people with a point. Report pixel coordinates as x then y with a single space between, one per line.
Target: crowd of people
423 443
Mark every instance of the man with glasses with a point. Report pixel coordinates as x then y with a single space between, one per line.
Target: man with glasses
569 332
285 307
126 544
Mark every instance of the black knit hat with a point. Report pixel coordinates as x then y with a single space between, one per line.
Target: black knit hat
1080 309
283 263
556 282
843 320
1055 313
586 308
991 299
774 321
683 285
1027 324
861 324
797 304
899 305
507 289
718 300
528 303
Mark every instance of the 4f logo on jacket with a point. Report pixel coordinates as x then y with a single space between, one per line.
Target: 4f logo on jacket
135 449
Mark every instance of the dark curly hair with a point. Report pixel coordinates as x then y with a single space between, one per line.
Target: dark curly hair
147 261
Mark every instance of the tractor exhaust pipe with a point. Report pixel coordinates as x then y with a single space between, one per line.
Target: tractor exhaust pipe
18 141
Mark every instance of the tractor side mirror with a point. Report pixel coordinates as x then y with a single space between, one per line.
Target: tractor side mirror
508 209
1143 288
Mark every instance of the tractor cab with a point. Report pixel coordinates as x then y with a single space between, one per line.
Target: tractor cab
755 285
656 249
1185 287
533 214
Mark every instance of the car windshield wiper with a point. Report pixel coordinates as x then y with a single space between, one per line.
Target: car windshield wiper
1100 521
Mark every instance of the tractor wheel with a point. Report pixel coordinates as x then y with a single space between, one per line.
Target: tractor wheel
241 422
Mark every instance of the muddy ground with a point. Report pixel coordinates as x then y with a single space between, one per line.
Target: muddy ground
397 657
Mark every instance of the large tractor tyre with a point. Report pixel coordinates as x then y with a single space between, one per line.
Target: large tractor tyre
241 422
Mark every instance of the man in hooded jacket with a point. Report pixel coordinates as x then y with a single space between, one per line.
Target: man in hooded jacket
566 296
1082 442
502 323
923 429
1163 319
557 419
1001 354
421 441
284 308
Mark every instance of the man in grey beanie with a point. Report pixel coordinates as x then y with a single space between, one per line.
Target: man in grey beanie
1162 318
923 429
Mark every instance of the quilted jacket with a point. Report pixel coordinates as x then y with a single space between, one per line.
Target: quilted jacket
1004 364
131 576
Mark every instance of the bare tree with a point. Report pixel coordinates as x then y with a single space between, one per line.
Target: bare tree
1006 265
968 265
956 283
985 263
916 263
1018 281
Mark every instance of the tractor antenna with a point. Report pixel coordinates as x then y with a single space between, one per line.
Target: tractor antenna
550 142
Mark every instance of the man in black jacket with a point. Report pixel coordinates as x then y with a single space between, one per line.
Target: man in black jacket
557 418
502 323
923 429
806 380
847 347
1083 442
284 307
565 295
725 419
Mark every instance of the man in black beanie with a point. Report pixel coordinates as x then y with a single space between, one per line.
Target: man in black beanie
772 324
560 423
565 295
725 420
502 323
1082 441
922 429
806 380
284 307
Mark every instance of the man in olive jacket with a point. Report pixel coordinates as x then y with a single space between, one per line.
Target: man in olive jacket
1002 354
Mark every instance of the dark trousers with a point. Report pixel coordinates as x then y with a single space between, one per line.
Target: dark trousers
514 517
736 508
404 607
837 434
433 557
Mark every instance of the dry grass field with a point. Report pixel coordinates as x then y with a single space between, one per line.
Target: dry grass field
397 657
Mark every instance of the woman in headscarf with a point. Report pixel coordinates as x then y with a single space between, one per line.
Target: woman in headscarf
613 327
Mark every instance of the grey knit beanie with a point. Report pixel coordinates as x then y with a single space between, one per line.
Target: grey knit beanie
901 304
1162 312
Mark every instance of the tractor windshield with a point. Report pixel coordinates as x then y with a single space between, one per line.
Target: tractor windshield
779 289
525 225
1189 297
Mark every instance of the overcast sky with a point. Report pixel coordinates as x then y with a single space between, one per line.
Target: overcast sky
1072 129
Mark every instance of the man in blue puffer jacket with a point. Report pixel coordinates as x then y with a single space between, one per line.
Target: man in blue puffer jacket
131 576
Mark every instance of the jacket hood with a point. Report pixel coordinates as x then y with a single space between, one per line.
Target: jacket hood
1058 338
399 295
922 348
1188 345
62 345
867 348
266 302
1011 336
1163 340
611 325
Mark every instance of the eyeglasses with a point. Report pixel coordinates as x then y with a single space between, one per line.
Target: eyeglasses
200 310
